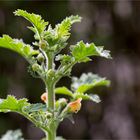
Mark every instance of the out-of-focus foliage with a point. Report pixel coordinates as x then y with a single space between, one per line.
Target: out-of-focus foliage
12 135
87 82
81 85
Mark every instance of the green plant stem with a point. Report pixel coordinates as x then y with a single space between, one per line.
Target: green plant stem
35 122
51 100
50 60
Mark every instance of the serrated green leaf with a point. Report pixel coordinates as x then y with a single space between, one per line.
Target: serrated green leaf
62 29
39 25
36 113
18 46
87 82
64 91
12 104
82 51
57 37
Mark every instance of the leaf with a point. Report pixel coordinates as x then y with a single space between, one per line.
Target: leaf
36 113
64 91
18 46
35 108
87 82
62 29
57 37
93 97
12 104
39 25
64 59
82 51
12 135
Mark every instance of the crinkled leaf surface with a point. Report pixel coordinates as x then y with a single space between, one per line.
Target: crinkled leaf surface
62 29
82 51
19 106
87 82
57 37
64 91
39 25
18 46
12 104
93 97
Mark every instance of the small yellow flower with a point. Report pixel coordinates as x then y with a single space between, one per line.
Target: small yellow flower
44 97
75 106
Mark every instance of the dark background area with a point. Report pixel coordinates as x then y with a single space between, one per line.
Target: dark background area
114 24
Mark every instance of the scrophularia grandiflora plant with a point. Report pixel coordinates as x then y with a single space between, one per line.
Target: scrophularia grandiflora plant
41 56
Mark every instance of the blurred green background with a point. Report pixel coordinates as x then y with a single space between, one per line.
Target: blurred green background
114 24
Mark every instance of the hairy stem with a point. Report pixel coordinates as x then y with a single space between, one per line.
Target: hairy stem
50 86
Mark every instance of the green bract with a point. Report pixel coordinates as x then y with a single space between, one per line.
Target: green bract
50 41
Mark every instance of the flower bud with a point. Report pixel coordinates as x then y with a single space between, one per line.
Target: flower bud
61 103
51 73
49 115
35 67
40 58
44 97
42 45
75 106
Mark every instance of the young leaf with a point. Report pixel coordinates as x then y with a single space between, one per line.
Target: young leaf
64 91
93 97
57 37
62 29
87 82
82 51
18 46
39 25
64 59
12 104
